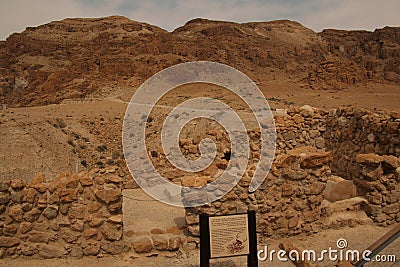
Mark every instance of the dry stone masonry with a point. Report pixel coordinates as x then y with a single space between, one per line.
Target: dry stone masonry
332 169
71 215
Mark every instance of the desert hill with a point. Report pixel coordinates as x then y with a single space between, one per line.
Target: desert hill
102 57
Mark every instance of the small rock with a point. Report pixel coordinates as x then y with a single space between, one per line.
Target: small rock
90 233
108 195
142 246
76 252
38 237
115 218
50 251
111 231
50 212
72 181
16 212
17 184
91 250
8 241
313 160
77 226
160 243
25 227
39 178
174 243
10 229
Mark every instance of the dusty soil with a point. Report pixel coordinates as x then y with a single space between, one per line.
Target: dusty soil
78 134
358 238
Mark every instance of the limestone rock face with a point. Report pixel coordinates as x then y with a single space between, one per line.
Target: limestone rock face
60 60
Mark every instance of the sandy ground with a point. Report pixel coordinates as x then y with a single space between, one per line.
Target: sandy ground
358 238
29 143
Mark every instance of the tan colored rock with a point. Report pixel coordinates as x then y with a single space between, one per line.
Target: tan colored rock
93 206
142 246
115 207
160 243
285 161
297 118
85 179
338 188
77 211
113 179
17 184
313 160
51 251
77 226
30 195
392 161
68 195
211 170
4 198
200 181
32 215
368 159
16 212
293 221
91 250
38 237
176 230
39 178
25 227
293 174
69 236
8 241
115 218
28 250
314 188
90 233
95 222
111 232
189 181
10 229
174 243
4 186
50 212
157 231
72 181
108 195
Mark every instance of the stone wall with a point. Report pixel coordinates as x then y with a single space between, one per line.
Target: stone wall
289 201
356 131
81 214
379 183
301 127
72 215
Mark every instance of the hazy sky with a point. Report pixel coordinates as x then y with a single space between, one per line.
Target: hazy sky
16 15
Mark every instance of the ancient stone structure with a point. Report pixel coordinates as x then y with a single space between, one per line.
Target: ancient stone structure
71 215
80 214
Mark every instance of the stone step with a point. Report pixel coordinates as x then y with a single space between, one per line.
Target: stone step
346 212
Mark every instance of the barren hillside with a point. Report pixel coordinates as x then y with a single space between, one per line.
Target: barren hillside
80 58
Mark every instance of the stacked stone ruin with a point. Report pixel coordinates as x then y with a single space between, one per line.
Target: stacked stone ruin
327 165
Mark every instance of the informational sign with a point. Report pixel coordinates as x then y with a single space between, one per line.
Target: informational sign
229 235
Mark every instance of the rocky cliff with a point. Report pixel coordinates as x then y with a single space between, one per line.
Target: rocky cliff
78 58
